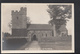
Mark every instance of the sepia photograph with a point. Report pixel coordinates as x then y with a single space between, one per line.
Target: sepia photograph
37 27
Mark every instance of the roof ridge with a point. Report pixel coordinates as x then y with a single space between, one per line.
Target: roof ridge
40 26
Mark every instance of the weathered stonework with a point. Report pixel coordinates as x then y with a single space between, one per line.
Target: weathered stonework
19 19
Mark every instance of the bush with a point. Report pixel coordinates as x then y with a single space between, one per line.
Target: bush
6 34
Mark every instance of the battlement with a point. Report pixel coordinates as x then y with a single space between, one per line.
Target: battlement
19 18
22 11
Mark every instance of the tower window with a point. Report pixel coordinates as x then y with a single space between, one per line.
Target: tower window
17 17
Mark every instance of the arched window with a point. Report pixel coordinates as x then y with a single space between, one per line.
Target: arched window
42 34
46 35
62 34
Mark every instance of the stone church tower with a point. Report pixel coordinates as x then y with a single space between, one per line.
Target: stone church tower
19 21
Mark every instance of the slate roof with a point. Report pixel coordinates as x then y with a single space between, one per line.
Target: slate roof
39 27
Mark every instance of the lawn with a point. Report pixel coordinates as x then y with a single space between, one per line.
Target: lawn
56 43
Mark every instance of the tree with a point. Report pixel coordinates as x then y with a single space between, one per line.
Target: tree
28 20
59 14
10 24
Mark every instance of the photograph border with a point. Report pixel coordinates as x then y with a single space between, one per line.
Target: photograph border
41 51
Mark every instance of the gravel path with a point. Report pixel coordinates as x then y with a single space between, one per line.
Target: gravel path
34 46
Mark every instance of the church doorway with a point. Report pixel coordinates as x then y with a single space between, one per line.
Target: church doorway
34 38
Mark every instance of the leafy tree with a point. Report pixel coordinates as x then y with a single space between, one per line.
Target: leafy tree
59 15
10 24
28 20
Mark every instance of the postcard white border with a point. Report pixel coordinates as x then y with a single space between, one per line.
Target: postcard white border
41 51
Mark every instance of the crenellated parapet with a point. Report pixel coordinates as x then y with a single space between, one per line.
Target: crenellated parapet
15 12
22 11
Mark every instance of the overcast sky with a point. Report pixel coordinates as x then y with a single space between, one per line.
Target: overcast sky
37 12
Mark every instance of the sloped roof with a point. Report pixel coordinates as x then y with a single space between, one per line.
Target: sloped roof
39 27
63 28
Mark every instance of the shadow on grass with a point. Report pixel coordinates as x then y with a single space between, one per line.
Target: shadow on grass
13 44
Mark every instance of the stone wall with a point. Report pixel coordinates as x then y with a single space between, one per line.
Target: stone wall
40 34
19 32
19 19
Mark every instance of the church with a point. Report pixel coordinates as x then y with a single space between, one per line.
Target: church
21 29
